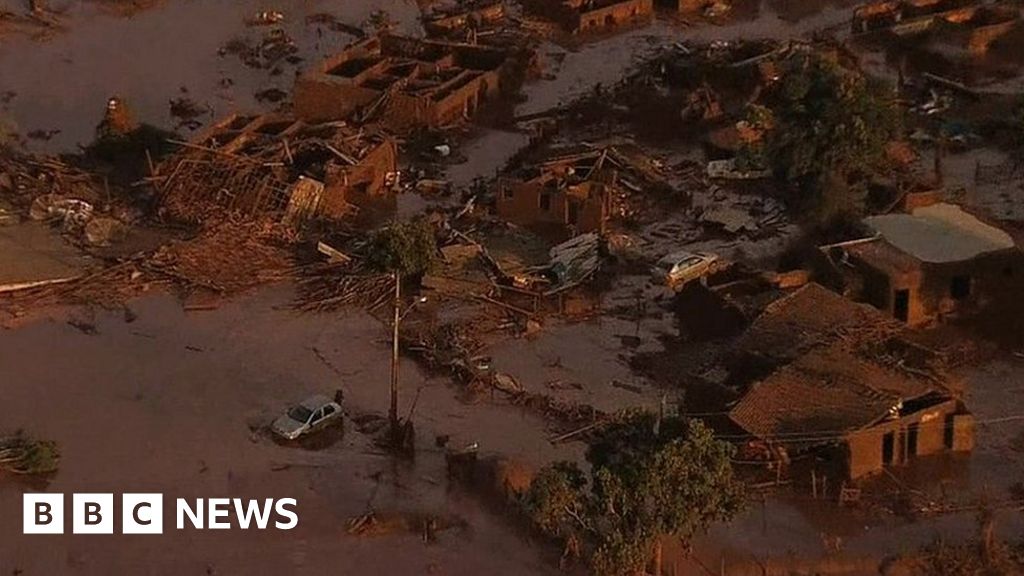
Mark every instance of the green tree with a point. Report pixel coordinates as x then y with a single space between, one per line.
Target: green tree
831 128
408 247
649 478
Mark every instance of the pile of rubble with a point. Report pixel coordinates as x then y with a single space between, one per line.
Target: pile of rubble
48 189
24 178
108 287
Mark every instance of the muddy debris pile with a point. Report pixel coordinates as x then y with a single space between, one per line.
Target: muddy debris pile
330 287
78 202
449 347
25 178
108 287
35 20
384 524
20 454
268 52
227 258
187 112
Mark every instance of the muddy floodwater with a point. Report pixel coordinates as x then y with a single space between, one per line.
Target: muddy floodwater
156 399
167 52
176 404
58 86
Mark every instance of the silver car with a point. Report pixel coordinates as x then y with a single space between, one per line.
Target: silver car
680 268
312 414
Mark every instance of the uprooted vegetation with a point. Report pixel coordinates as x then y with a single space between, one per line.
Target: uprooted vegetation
983 555
21 454
383 524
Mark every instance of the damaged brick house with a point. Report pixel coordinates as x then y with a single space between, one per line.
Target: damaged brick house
897 15
405 83
841 380
973 31
456 19
581 16
568 194
867 416
277 164
933 261
968 24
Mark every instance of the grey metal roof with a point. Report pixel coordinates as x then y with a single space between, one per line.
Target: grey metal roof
940 233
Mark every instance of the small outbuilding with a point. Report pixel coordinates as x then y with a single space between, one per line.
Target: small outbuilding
932 261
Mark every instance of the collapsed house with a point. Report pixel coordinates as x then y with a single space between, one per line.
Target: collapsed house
570 264
705 7
405 83
902 16
973 31
582 16
572 192
461 18
933 261
971 24
278 165
839 379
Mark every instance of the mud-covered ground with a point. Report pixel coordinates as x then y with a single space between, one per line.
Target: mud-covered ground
160 400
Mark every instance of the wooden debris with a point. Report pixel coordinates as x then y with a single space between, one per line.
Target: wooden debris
333 286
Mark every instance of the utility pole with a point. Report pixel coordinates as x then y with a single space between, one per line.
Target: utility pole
940 153
393 411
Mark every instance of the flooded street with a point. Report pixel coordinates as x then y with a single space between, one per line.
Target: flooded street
175 402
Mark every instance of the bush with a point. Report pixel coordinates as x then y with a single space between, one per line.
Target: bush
406 247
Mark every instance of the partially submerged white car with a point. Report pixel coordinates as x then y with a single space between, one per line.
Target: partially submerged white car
680 268
312 414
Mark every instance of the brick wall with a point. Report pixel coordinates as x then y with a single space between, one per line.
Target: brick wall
319 98
521 203
865 447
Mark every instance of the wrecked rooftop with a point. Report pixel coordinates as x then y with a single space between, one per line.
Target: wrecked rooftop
257 164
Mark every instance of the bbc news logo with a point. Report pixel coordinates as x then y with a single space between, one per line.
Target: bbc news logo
144 514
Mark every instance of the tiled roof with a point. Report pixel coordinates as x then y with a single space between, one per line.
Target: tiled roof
823 395
813 316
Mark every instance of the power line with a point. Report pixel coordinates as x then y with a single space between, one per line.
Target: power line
824 435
